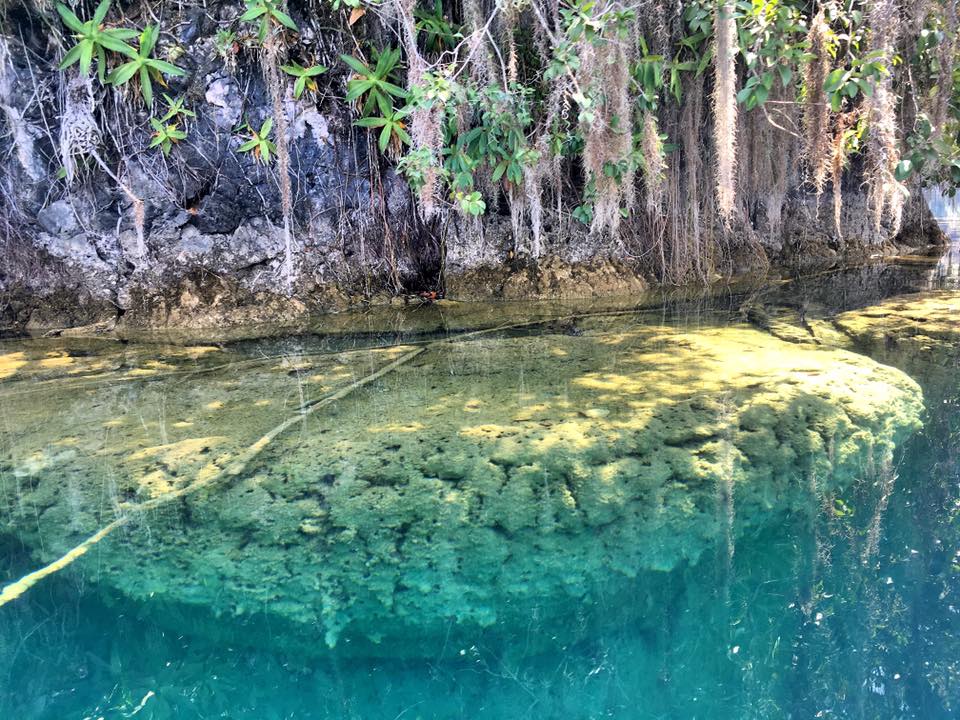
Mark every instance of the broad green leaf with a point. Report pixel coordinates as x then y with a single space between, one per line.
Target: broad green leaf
86 56
357 66
253 13
285 19
100 14
903 170
146 86
123 73
71 57
167 68
69 19
371 122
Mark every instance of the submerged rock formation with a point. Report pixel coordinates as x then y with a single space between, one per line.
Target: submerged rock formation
486 486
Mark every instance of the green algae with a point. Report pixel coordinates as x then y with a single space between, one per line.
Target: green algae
926 325
487 482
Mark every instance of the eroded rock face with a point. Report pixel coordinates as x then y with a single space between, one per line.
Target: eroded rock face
483 486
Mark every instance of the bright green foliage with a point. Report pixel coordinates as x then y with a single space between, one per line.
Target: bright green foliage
772 36
932 157
94 39
176 110
267 13
165 135
372 86
471 203
144 66
224 44
497 140
259 143
305 77
391 125
859 77
439 33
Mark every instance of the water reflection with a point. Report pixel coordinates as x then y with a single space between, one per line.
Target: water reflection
947 212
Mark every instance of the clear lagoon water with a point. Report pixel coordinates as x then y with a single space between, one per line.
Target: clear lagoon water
358 562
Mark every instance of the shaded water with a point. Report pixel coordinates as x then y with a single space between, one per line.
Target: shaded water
661 513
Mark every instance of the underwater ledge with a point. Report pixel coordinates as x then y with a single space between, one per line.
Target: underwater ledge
488 484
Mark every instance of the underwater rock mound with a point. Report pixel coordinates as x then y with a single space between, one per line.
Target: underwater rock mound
488 485
926 325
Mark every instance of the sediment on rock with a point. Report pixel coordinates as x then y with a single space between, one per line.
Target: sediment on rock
488 479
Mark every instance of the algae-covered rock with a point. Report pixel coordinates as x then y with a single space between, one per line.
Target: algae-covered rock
490 484
927 325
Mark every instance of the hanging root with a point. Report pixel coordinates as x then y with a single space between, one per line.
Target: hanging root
80 135
270 62
654 163
816 110
206 476
945 59
608 138
725 108
426 123
885 193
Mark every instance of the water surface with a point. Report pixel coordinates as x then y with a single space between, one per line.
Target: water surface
665 512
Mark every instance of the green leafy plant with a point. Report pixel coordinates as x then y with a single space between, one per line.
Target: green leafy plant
471 203
268 13
439 33
175 109
225 44
859 76
373 84
147 68
305 77
772 40
259 142
166 135
392 126
93 39
934 159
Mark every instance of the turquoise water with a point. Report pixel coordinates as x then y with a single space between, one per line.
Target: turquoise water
844 605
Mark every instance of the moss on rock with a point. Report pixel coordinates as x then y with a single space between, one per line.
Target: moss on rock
487 485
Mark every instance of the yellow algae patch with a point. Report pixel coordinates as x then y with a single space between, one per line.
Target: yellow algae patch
214 405
55 360
490 431
142 372
569 434
182 424
116 422
10 363
558 352
473 405
263 403
928 323
155 483
532 411
179 452
397 428
195 352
